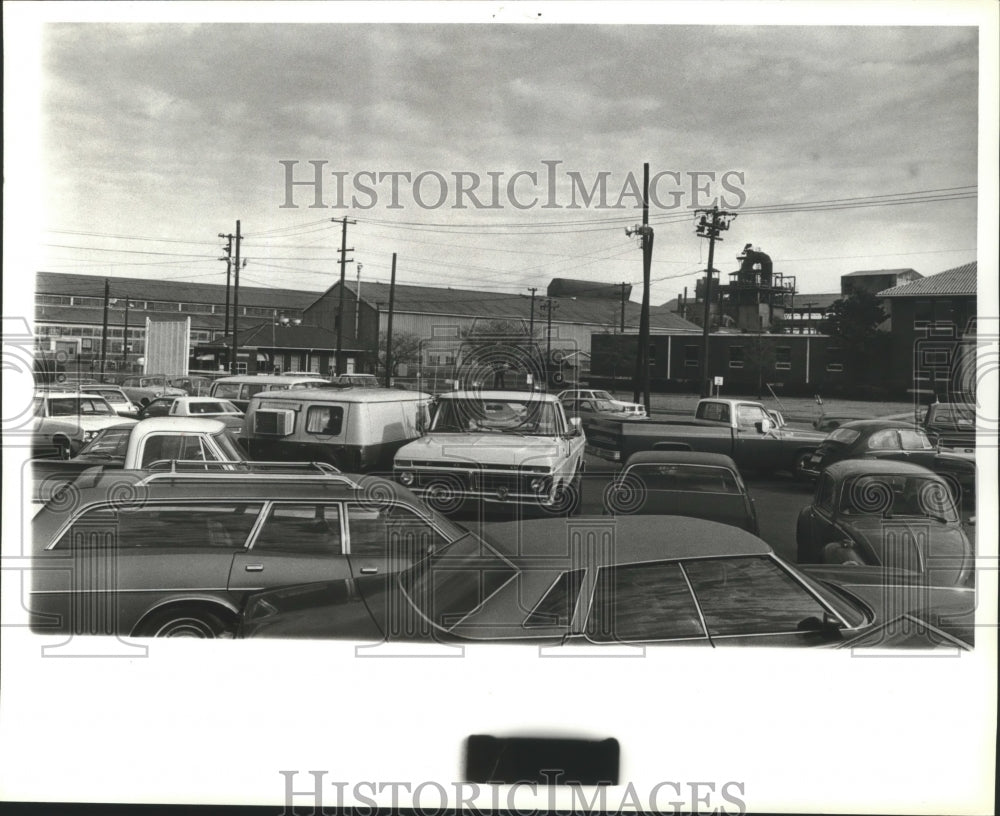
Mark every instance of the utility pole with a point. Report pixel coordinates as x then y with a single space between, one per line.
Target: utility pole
709 229
641 385
549 306
340 308
531 325
125 338
388 327
228 258
357 305
104 326
623 285
236 305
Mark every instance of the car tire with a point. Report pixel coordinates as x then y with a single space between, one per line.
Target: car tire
184 622
799 467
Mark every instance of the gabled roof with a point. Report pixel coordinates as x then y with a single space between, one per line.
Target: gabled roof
62 283
434 300
958 281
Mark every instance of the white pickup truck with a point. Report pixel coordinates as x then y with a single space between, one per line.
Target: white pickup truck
496 447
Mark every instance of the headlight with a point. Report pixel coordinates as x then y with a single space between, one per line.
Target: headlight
406 477
538 484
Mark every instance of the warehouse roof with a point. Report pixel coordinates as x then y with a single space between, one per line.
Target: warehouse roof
876 272
435 300
958 281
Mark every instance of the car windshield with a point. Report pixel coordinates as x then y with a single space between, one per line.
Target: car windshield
603 395
449 584
111 443
892 495
113 396
527 416
71 406
843 435
213 407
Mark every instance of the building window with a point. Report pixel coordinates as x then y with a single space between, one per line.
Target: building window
444 331
783 358
736 357
691 356
53 300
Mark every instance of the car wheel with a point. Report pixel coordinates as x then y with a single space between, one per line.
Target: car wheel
799 466
192 623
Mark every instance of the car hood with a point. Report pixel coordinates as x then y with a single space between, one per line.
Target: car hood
480 448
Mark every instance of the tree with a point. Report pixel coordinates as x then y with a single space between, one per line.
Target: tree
854 321
405 350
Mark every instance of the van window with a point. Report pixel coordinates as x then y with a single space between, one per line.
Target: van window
326 420
229 390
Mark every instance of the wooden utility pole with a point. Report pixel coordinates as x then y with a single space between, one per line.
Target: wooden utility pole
388 328
340 308
234 362
623 285
228 258
531 325
709 229
104 326
125 338
645 232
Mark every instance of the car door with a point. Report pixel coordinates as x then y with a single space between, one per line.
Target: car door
917 448
115 564
296 542
386 537
820 521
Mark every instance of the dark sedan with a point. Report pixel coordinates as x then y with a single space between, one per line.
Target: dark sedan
683 483
884 439
890 514
640 581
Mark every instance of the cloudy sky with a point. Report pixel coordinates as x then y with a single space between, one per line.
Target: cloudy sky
842 148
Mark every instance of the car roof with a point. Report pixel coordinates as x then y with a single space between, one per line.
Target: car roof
851 467
267 379
518 396
65 394
862 424
636 538
181 423
348 394
664 457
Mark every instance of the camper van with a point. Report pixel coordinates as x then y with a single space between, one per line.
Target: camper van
354 429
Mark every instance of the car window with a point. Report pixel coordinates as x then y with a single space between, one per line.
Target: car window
306 528
748 415
895 495
226 390
693 478
557 606
390 530
111 442
751 596
325 420
182 526
639 602
166 447
844 435
884 440
915 440
714 411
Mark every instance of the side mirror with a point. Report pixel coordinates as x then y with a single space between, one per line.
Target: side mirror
764 426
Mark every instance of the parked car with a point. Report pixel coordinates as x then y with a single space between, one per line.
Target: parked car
159 407
187 548
885 513
356 429
63 421
951 425
634 409
116 398
193 385
496 447
143 389
740 429
689 582
681 483
898 441
220 409
239 389
589 409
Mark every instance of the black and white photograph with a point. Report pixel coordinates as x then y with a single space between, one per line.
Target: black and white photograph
517 407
